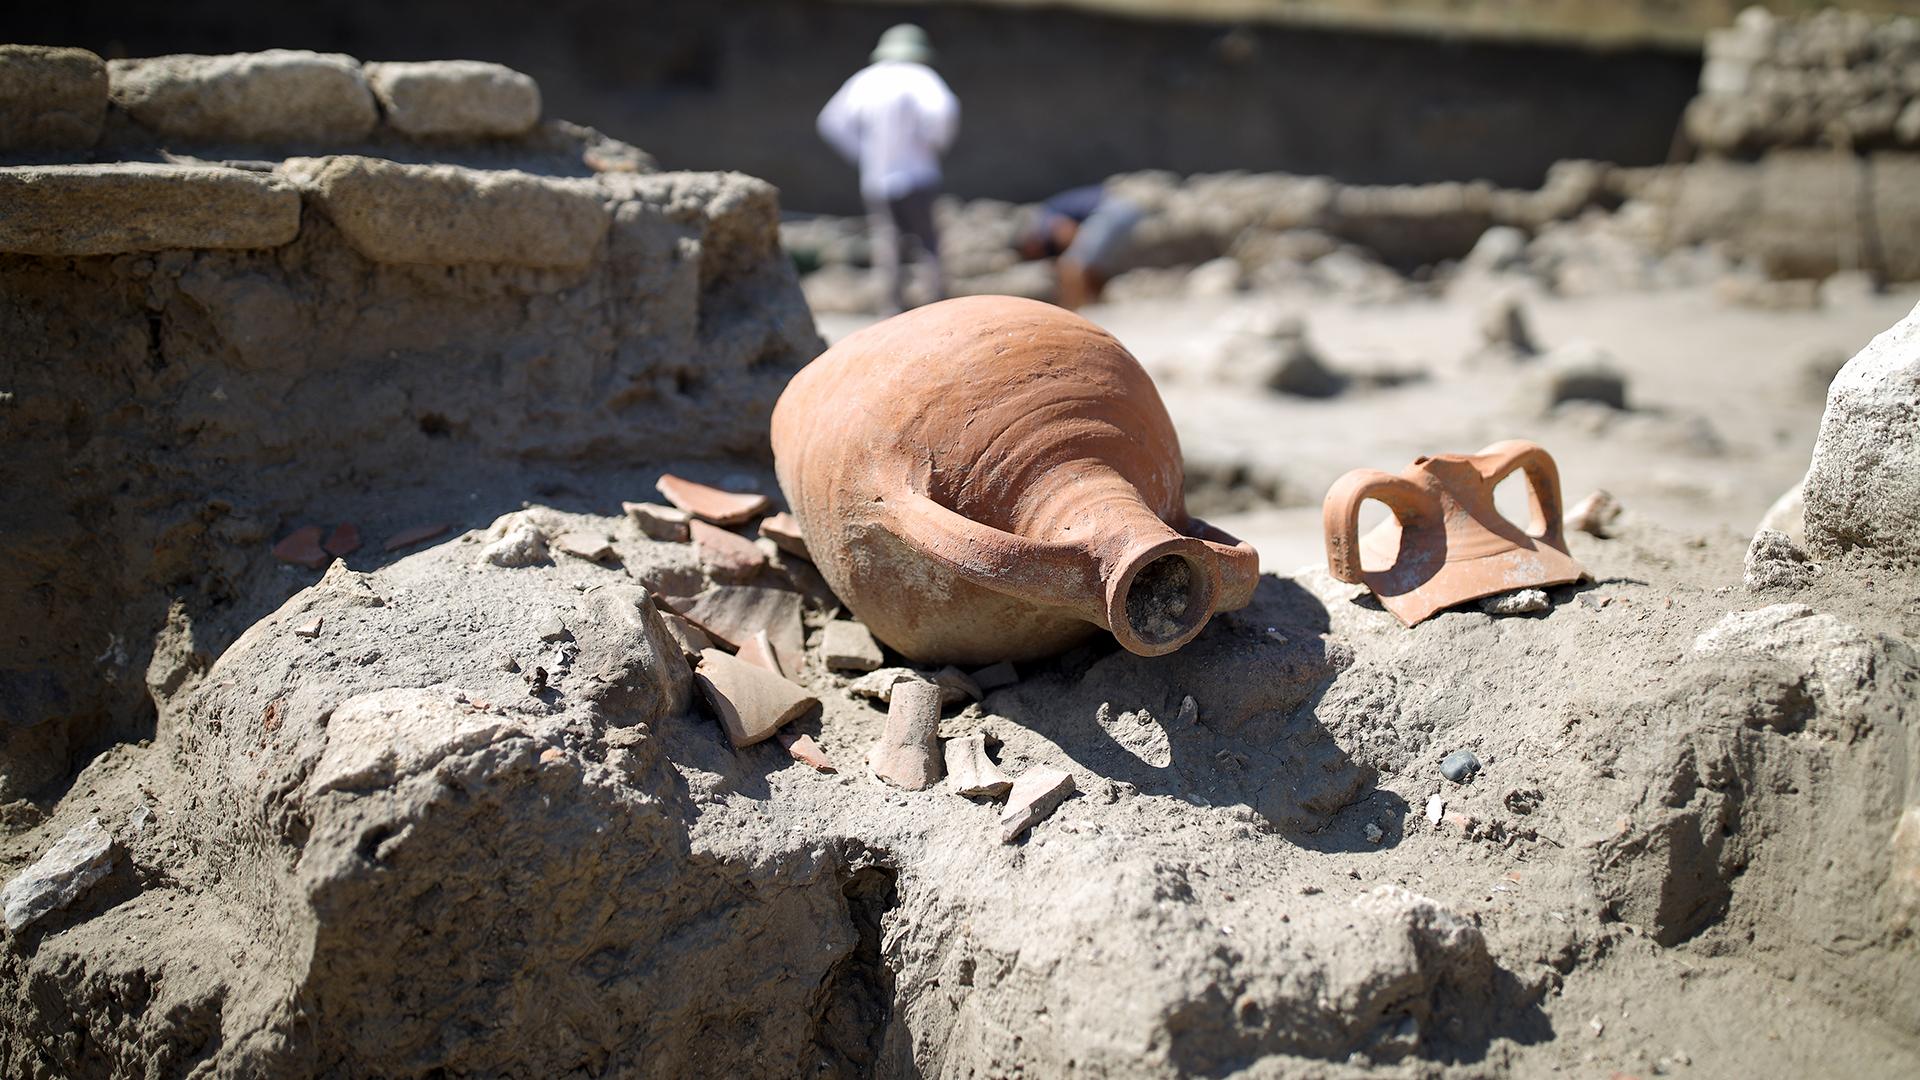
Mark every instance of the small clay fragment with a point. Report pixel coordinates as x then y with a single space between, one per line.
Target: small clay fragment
659 522
590 546
908 753
308 629
1594 514
689 637
725 552
1036 794
758 651
731 613
302 548
805 750
343 541
994 676
847 646
972 771
752 702
878 685
782 529
954 682
711 503
419 534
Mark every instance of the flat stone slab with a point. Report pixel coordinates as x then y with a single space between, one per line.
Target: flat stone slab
455 98
449 215
50 98
57 878
138 206
275 96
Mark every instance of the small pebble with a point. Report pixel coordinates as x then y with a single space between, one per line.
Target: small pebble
1374 833
1523 602
1459 765
1436 805
309 629
552 629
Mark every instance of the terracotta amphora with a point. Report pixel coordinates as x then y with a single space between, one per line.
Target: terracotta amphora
1445 543
992 478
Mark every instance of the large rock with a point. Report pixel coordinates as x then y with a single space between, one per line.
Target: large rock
455 98
50 98
135 206
276 96
1863 493
449 215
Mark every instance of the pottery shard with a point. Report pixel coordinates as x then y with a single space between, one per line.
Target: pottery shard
455 98
971 770
1594 514
752 702
758 651
1863 491
448 215
276 96
343 541
805 750
689 637
908 753
659 522
50 98
590 546
711 503
879 685
301 547
418 534
847 645
784 530
68 869
725 552
731 613
136 206
1035 796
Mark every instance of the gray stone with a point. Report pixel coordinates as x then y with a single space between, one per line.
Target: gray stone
68 869
1863 490
1504 332
1519 602
1582 371
50 98
1773 561
136 206
451 215
994 676
1502 247
455 98
1788 514
276 96
523 545
849 646
1459 765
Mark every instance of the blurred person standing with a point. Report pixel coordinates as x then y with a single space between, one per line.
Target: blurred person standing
893 119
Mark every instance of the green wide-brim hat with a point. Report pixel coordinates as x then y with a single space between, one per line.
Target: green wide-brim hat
904 42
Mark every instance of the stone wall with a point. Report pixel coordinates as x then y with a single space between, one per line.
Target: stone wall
201 351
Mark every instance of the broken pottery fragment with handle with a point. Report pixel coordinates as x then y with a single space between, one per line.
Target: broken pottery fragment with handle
908 753
972 771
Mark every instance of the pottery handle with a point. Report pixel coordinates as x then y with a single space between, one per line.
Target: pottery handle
1236 566
1543 484
1340 514
1058 574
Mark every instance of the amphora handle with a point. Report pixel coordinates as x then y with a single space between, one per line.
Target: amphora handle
1413 505
1497 462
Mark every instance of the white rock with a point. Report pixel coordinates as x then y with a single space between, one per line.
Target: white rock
1518 602
523 545
1863 491
58 878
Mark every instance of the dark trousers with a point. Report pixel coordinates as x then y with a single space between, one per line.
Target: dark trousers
891 222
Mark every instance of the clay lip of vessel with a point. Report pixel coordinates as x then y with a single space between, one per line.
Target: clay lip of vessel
1446 543
993 478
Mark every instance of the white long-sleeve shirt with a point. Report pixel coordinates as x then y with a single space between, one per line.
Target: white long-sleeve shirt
893 119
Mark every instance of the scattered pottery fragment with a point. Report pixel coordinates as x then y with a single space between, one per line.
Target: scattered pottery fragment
731 613
994 676
953 681
659 522
523 545
801 574
711 503
726 552
302 548
590 546
847 646
343 541
971 770
1520 602
1459 765
782 529
879 685
308 629
1594 514
1445 542
805 750
993 478
689 637
57 878
419 534
908 753
751 702
758 651
1036 794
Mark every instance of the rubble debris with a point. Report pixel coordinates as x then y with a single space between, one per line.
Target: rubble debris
731 613
907 754
1595 514
523 545
1459 765
725 552
1581 371
419 534
301 547
758 651
1504 333
659 522
343 541
536 680
784 530
1518 602
60 876
592 547
308 629
1036 794
971 770
710 503
1272 351
994 676
1775 562
805 751
848 646
751 702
